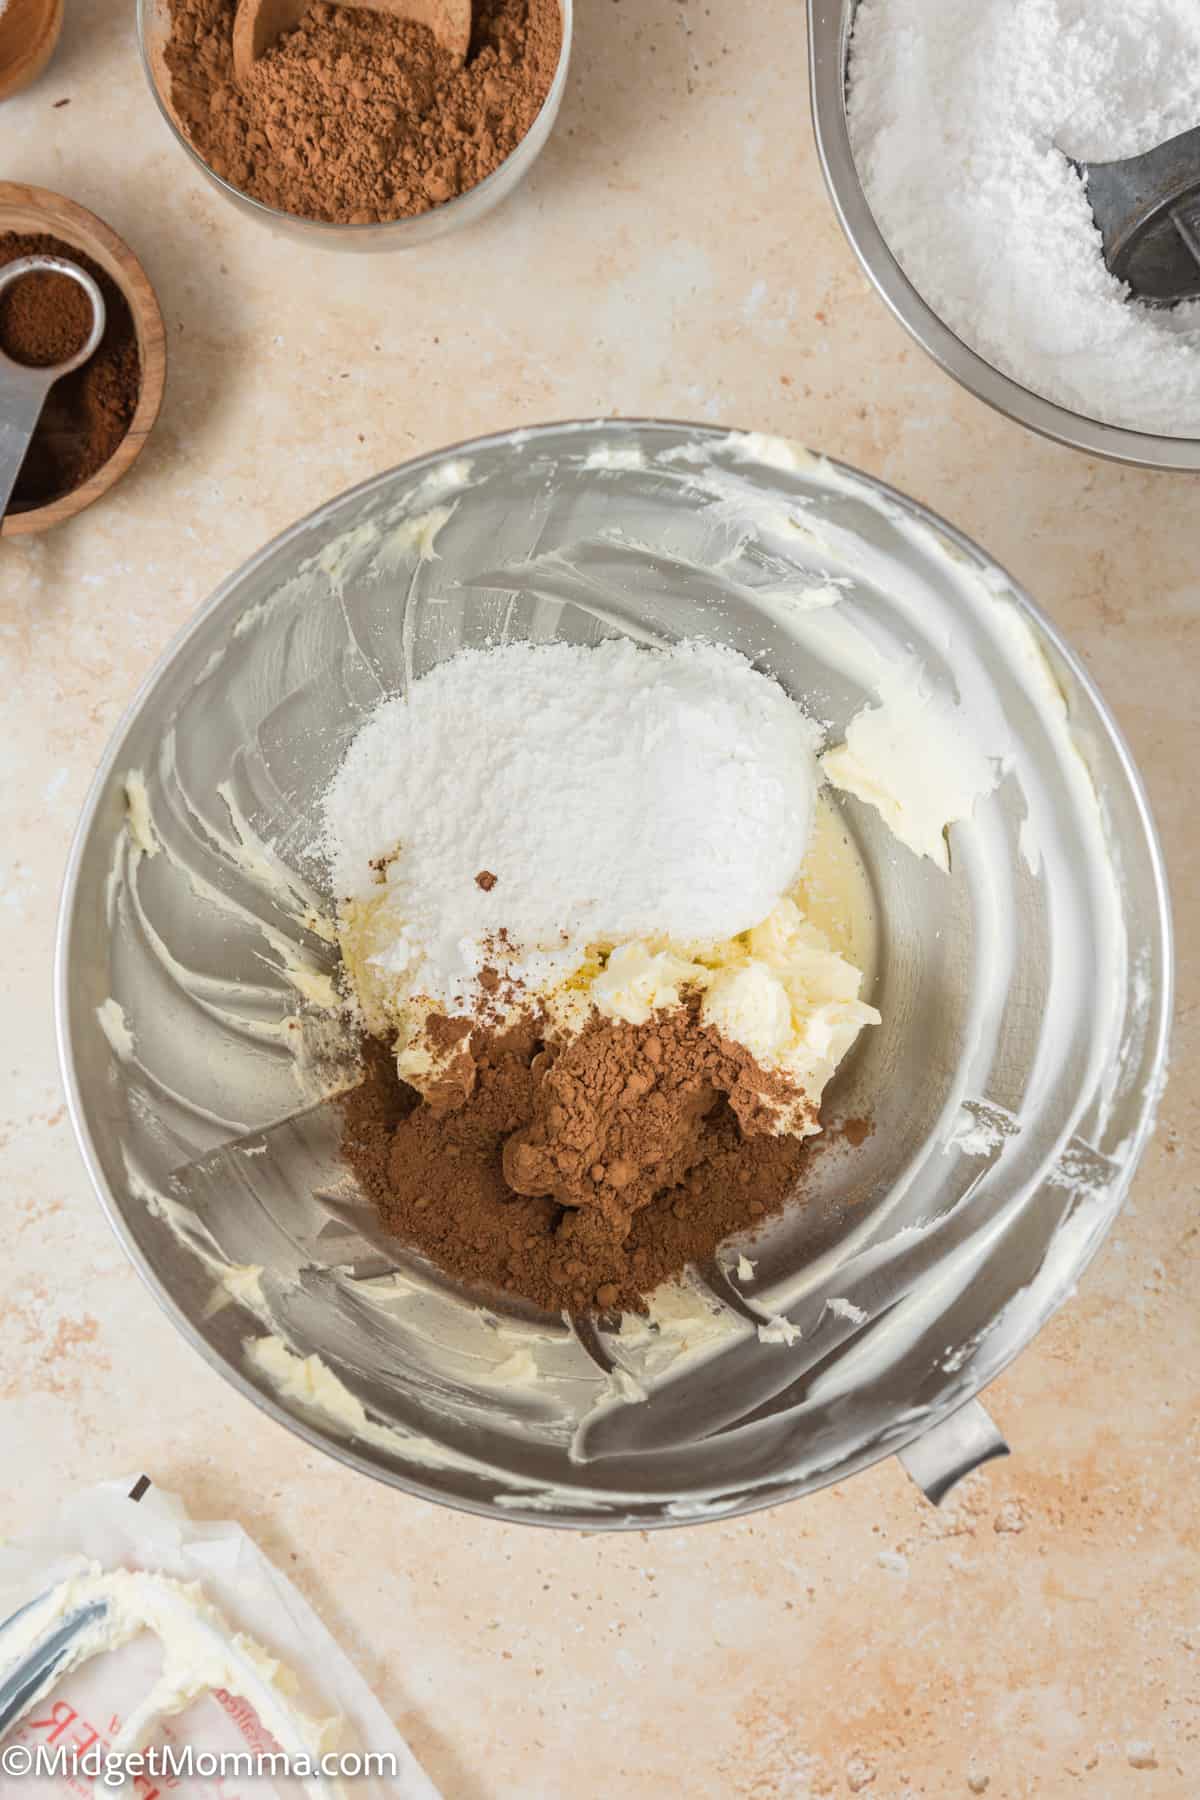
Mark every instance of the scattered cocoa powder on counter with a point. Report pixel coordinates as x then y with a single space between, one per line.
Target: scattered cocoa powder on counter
354 117
656 1135
88 413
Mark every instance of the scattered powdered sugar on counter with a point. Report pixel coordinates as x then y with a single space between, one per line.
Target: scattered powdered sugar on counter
962 119
572 796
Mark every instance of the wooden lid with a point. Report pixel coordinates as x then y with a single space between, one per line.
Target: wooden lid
29 31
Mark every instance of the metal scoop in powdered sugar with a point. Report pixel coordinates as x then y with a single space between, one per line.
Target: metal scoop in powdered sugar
260 23
1147 210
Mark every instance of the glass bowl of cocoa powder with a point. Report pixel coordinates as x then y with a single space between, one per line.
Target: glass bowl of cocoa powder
357 131
978 1141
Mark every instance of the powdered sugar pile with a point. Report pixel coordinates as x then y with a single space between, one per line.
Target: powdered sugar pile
613 793
960 116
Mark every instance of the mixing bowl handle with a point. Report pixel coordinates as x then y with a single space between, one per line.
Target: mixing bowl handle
940 1459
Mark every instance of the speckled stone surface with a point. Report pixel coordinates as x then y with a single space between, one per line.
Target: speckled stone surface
673 253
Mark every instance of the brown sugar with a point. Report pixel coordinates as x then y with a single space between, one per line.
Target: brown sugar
355 116
87 413
578 1179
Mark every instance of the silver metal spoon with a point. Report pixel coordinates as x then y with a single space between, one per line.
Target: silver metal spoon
1147 209
23 389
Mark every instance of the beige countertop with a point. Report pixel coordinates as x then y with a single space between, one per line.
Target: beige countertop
672 254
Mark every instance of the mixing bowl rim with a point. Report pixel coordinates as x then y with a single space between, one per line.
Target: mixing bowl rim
1011 398
448 211
979 1371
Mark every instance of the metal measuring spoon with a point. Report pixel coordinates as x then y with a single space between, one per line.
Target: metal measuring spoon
23 389
1147 209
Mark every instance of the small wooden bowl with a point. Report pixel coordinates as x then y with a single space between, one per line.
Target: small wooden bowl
29 32
31 209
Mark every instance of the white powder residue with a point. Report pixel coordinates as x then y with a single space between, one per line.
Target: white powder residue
111 1018
778 1331
962 119
846 1309
614 793
139 817
615 456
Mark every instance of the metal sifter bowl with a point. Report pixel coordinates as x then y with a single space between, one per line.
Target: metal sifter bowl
830 25
1024 990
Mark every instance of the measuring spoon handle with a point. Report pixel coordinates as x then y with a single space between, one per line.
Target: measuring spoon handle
22 396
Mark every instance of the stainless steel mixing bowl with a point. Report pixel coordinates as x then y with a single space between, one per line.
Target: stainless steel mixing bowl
1024 993
830 24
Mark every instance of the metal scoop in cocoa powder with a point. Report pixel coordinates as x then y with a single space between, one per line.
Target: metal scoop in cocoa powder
24 384
260 23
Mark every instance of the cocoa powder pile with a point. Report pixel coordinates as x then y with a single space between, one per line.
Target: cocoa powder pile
353 116
44 319
578 1177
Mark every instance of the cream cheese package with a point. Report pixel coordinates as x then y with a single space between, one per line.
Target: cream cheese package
192 1650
